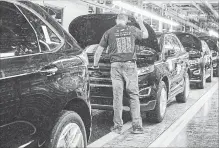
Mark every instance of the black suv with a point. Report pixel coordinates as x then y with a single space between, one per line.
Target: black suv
200 59
44 85
213 46
162 68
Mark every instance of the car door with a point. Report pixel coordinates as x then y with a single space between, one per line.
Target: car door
25 55
170 56
18 43
40 92
181 62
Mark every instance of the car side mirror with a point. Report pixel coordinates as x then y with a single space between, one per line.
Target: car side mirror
170 53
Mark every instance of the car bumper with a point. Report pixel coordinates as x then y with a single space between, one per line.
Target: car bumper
143 107
102 99
195 74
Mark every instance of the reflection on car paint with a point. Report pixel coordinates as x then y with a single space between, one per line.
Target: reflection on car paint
36 84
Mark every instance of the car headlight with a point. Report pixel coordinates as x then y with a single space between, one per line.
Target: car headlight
145 70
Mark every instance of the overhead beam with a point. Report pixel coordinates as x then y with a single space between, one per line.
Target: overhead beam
211 8
198 7
89 2
181 20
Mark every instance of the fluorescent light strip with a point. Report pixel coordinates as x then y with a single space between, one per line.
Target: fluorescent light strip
144 12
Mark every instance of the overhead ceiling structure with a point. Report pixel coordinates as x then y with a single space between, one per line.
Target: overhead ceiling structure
195 16
202 13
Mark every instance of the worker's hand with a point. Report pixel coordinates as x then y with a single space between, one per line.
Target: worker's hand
139 19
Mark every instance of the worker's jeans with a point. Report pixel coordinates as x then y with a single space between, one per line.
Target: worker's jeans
125 74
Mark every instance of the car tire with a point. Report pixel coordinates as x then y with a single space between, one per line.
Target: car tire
209 79
182 97
69 124
201 85
159 111
216 73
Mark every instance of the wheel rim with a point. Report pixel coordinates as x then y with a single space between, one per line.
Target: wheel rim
71 136
163 102
187 87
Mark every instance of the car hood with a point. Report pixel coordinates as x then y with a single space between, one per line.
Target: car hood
189 41
89 29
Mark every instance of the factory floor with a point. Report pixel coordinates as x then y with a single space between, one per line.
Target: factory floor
203 129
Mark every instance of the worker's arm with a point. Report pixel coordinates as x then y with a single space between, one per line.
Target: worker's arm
143 28
97 55
102 45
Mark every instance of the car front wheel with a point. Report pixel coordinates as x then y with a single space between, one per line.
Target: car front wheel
158 113
69 131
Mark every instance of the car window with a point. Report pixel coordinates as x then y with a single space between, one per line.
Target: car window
17 37
168 45
48 40
168 42
71 44
205 47
176 45
44 14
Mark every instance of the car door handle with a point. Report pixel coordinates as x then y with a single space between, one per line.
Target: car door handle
49 71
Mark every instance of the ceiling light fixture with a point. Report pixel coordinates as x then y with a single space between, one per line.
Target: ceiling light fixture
144 12
213 33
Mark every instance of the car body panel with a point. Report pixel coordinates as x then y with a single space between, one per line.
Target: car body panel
36 85
212 42
199 56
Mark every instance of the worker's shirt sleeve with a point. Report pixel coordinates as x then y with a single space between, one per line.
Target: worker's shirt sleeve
104 40
137 33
